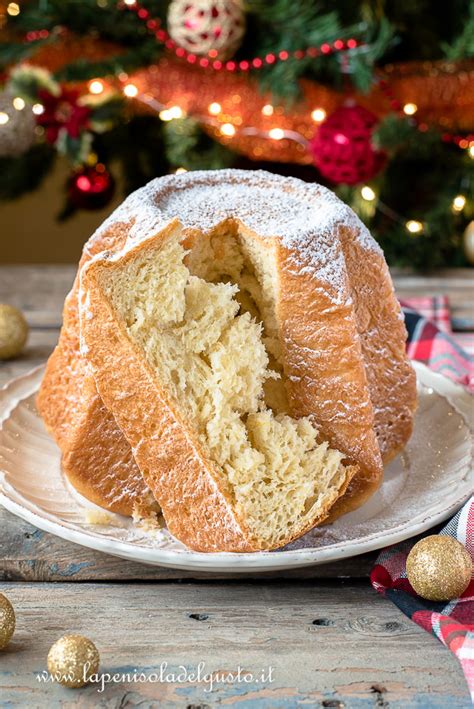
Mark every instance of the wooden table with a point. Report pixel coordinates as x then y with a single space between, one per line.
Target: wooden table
330 640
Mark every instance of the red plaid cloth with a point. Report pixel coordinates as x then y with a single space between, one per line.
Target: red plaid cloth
452 622
432 342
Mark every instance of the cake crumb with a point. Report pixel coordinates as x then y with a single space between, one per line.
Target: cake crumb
147 514
102 517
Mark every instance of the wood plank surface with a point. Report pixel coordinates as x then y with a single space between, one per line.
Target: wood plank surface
29 554
323 652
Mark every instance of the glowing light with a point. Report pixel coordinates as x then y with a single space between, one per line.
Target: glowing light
167 114
4 118
318 115
414 227
130 90
471 152
268 109
130 2
409 109
180 170
227 129
341 139
276 133
13 9
96 86
214 108
83 183
38 109
18 103
459 203
367 193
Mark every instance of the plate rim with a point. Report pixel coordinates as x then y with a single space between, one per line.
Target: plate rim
186 559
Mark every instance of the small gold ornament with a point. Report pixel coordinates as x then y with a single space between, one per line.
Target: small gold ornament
468 241
13 331
7 621
439 568
72 660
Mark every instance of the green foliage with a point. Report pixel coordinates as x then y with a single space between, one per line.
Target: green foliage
463 44
286 25
187 146
137 147
75 149
422 176
377 39
420 182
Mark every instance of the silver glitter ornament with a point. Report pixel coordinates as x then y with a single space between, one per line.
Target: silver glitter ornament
17 126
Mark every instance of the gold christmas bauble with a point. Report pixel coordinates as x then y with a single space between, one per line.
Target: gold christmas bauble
468 241
7 621
439 568
72 660
13 331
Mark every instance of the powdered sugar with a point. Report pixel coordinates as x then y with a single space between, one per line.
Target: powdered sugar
304 216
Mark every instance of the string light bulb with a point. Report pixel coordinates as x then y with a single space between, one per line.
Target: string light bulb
318 115
130 3
367 193
180 170
268 109
130 90
470 150
4 118
18 103
459 202
13 9
96 86
168 114
227 129
38 109
414 226
409 109
176 112
276 133
214 108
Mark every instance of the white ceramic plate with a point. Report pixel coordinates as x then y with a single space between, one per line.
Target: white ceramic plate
423 486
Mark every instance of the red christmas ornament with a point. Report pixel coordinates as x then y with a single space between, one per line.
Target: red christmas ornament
62 112
342 147
91 187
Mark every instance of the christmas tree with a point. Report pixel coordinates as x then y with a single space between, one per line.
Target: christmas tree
373 99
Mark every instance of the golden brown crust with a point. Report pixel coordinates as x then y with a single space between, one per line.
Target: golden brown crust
380 324
325 367
194 498
96 457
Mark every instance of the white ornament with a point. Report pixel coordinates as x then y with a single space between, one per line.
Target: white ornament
201 26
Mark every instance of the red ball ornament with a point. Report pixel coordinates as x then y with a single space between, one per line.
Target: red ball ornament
91 187
342 148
